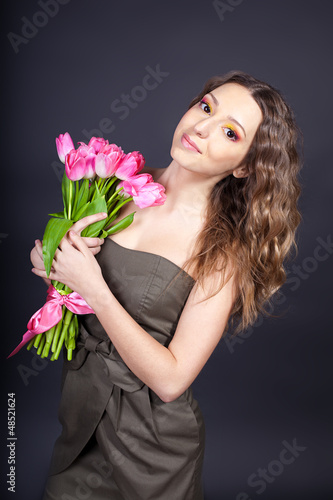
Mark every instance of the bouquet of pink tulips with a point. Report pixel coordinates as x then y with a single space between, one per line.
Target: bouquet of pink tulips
98 177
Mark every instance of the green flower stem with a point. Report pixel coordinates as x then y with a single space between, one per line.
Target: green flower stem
57 285
41 344
48 341
66 321
70 199
57 331
70 340
37 339
100 183
120 205
108 185
31 343
76 197
93 190
114 196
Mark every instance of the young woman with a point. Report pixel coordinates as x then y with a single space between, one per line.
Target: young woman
164 290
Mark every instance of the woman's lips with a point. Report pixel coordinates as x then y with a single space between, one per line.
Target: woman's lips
188 144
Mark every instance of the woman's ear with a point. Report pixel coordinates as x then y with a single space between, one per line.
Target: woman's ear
241 171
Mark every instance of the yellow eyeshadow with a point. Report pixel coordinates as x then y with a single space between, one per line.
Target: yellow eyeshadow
229 125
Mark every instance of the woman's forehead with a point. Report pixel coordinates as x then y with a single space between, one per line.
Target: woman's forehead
237 100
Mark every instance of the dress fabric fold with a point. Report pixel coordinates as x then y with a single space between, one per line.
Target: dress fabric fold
119 440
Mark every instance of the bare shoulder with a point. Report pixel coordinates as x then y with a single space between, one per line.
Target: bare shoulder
154 172
203 297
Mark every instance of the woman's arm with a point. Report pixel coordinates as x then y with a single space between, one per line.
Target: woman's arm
168 371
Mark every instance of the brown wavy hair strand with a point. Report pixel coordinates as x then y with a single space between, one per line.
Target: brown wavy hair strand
251 222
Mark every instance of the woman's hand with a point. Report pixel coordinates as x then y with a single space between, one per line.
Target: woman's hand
92 245
36 257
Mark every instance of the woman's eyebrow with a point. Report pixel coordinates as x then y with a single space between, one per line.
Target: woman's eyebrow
229 117
214 99
234 120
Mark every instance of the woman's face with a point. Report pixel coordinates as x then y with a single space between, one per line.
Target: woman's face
214 136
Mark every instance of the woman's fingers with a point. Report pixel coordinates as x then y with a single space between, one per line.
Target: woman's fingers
93 242
71 241
86 221
64 243
39 248
36 257
77 242
95 250
42 273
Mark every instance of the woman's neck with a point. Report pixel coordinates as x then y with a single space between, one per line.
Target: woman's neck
186 190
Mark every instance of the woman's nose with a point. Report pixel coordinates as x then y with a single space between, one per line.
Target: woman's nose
201 128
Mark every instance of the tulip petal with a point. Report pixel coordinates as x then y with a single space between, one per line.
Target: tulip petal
64 145
103 166
127 167
90 166
97 143
77 170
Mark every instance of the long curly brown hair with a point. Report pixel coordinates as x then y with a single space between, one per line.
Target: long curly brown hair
251 222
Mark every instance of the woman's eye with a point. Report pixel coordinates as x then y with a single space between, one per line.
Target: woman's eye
205 106
230 133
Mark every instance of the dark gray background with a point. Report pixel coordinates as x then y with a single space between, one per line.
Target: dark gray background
275 384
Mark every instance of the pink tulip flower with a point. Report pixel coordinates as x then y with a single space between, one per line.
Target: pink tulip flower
64 145
151 194
139 159
97 143
130 165
145 192
133 184
80 164
107 160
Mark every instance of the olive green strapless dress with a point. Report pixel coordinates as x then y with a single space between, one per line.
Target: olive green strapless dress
119 440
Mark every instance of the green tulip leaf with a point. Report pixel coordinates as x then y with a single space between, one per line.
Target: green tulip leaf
54 232
80 213
61 215
75 197
65 188
95 207
122 224
83 195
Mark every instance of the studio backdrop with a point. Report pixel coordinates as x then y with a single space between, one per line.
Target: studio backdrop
127 71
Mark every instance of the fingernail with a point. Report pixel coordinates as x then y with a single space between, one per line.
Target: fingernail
36 242
72 233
